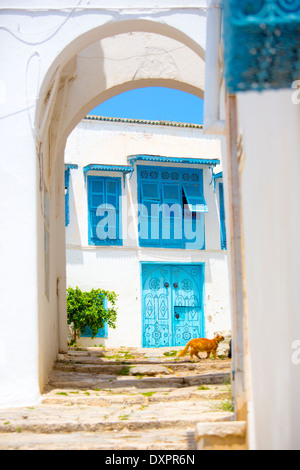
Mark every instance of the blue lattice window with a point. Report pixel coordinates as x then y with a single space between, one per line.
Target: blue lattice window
222 217
172 207
104 210
261 44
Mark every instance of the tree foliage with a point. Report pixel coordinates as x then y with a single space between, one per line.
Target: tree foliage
86 309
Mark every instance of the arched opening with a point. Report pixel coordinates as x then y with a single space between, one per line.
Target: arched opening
101 148
118 61
154 104
137 55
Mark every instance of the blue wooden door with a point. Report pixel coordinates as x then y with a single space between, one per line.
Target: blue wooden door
187 301
172 304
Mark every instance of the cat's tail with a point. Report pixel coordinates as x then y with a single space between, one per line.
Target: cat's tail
184 351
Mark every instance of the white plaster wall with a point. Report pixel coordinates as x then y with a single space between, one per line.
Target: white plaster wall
269 124
118 268
18 254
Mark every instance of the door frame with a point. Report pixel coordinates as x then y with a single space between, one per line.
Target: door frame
173 263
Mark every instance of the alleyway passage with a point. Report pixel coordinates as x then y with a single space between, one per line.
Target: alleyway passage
122 399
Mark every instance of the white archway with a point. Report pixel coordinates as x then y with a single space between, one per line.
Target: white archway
121 56
113 64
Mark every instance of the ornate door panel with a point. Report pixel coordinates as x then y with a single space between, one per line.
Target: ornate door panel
187 303
156 307
172 304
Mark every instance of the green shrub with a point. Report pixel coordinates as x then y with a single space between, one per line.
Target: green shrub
86 309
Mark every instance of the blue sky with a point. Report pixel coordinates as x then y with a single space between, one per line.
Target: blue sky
153 103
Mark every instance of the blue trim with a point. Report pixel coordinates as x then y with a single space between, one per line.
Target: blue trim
67 196
103 199
68 167
187 161
222 218
125 169
71 166
95 167
215 177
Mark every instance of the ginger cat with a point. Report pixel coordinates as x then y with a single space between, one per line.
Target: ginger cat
197 345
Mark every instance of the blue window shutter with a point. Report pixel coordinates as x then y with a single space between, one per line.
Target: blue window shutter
149 219
67 197
195 198
222 218
172 215
112 201
195 208
104 206
150 191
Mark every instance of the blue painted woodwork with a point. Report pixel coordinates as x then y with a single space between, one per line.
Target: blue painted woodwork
68 167
261 44
172 304
172 207
104 219
125 169
160 159
67 196
222 217
102 332
98 167
195 199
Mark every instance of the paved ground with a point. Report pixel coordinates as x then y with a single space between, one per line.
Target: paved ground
121 399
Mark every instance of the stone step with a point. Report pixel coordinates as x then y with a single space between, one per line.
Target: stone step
59 419
163 439
141 367
221 436
96 402
99 355
69 397
62 379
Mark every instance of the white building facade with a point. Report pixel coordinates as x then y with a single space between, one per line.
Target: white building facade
169 266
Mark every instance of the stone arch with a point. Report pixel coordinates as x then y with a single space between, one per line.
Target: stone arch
114 28
81 77
78 78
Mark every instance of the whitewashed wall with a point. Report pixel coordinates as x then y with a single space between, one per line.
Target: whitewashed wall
270 172
118 268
